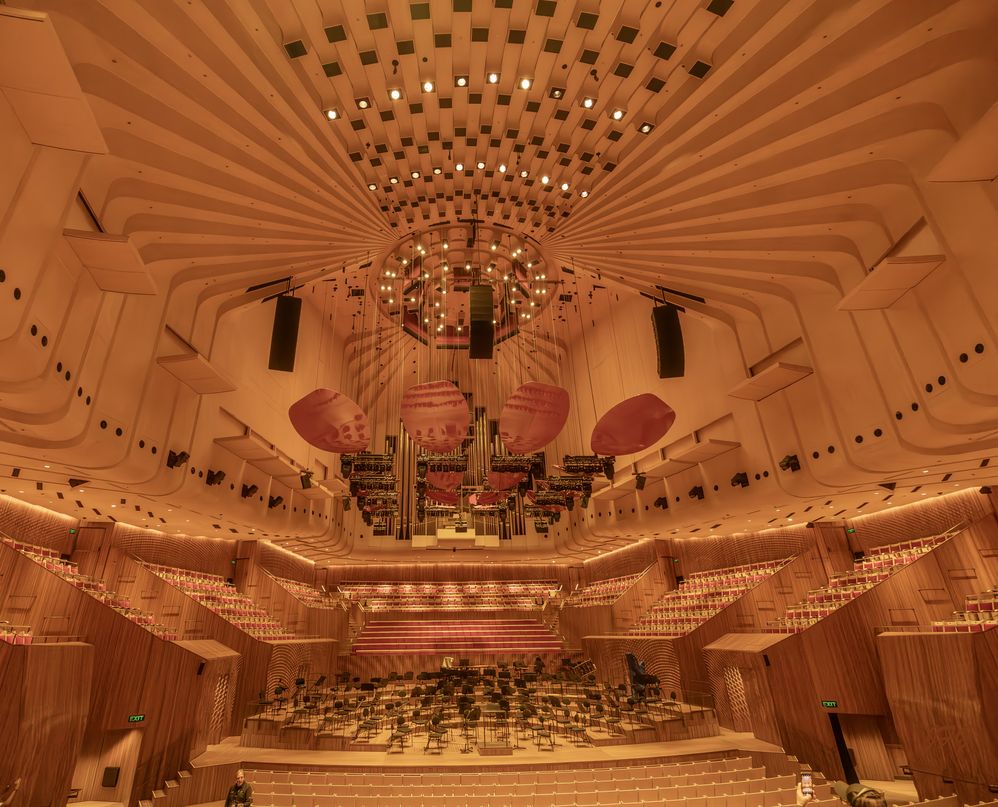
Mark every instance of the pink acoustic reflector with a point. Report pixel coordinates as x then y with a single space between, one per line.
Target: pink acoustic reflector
504 480
444 480
435 415
331 421
532 417
632 425
443 496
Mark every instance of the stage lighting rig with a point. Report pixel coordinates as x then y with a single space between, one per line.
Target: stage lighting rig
790 463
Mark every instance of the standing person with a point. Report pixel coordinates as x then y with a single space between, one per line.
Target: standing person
241 793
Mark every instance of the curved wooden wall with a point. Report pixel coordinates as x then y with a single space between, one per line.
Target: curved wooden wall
37 525
622 562
720 552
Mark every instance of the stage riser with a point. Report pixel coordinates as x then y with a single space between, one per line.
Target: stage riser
367 667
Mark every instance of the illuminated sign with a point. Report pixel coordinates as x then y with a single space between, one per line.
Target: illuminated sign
136 718
830 704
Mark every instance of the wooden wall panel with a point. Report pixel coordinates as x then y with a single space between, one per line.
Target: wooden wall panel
446 572
199 554
630 560
943 693
659 656
43 712
931 517
575 621
865 742
719 552
308 659
36 525
282 563
747 653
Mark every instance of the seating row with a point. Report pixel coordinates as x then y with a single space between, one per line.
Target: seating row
980 613
309 595
602 592
422 637
475 596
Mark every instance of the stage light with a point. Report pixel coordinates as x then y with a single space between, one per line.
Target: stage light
639 482
306 480
644 128
740 480
214 477
696 492
249 490
175 459
790 463
557 92
275 501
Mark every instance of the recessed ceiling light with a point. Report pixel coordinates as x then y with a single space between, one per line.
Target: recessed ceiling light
446 245
331 114
495 245
437 170
427 86
493 78
481 165
584 194
588 103
557 92
523 173
372 187
617 114
644 128
395 93
564 186
460 81
363 103
415 175
502 168
394 180
545 179
459 167
526 83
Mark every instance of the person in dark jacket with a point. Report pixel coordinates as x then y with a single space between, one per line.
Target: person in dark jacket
241 793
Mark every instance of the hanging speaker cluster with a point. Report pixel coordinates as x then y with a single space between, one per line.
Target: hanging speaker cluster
669 341
284 336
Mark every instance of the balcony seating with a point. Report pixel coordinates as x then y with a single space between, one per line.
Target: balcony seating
309 595
68 571
702 595
222 598
980 613
467 596
843 588
15 634
602 592
419 637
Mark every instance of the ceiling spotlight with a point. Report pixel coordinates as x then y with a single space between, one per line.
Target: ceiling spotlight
502 168
174 459
696 492
523 173
644 128
446 245
525 83
481 165
371 186
740 480
214 477
331 114
395 93
460 81
363 103
427 86
584 194
275 501
557 92
459 167
790 463
493 78
588 103
564 186
495 246
394 180
617 114
545 179
437 170
415 174
249 490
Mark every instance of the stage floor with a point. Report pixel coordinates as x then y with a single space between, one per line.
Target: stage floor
229 751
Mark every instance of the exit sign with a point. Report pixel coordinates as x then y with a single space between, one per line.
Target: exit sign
830 704
851 530
136 718
72 532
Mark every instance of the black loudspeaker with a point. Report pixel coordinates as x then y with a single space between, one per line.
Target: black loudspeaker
483 332
284 338
110 778
669 341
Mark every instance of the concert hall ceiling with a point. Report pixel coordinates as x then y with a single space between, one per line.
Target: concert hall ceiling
810 183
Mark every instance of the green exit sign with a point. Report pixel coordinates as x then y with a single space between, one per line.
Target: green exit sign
136 718
851 530
830 704
72 532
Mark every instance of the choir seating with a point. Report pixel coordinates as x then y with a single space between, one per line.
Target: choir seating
465 596
213 592
700 596
68 571
842 588
428 637
707 783
602 592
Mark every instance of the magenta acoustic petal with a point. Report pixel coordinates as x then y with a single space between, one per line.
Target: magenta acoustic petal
331 421
632 425
435 415
444 480
504 480
532 417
